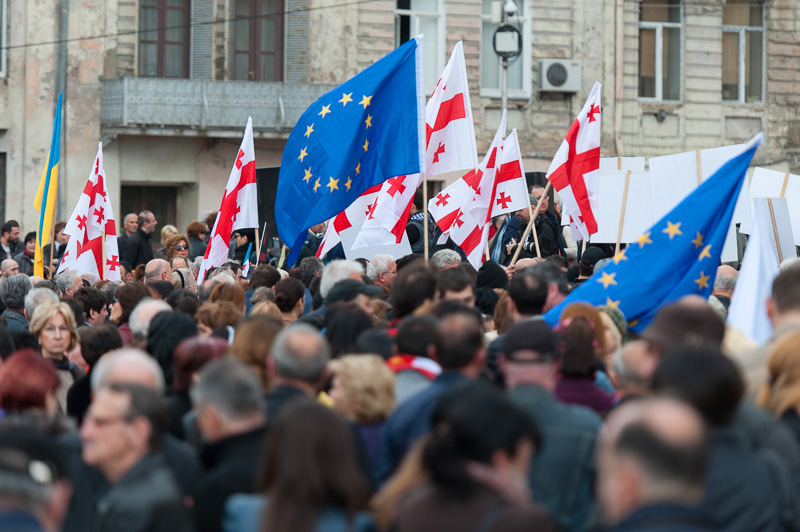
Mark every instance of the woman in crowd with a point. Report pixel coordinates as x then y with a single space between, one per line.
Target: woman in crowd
362 391
290 297
229 292
167 232
344 323
253 343
267 308
197 239
176 246
25 258
780 395
28 382
126 298
215 318
53 325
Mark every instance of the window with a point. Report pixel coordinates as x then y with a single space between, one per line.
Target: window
519 68
164 38
415 17
259 40
742 51
2 38
660 35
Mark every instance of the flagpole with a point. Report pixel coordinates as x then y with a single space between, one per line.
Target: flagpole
52 245
258 247
103 257
775 230
622 213
531 225
425 217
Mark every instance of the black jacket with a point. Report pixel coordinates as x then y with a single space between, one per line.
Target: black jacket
665 518
137 249
231 466
547 232
146 499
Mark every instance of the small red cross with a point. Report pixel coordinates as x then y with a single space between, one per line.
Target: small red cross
592 110
113 263
441 201
438 152
236 212
96 166
396 185
371 211
504 200
81 222
239 160
458 221
100 213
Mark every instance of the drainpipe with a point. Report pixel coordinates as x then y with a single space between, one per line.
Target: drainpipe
618 79
63 33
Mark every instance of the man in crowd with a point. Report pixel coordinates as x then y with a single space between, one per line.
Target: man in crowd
9 238
129 226
137 249
382 270
445 259
9 267
95 305
13 290
68 282
456 285
157 270
547 230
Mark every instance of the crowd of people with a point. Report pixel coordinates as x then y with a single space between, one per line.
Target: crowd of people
391 394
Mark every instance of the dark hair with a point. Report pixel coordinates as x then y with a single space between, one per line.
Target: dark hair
703 377
91 299
419 200
551 273
77 309
249 234
60 226
684 463
407 260
308 466
558 261
486 300
416 334
459 338
470 270
129 295
578 356
6 342
147 403
162 288
167 330
453 280
190 356
287 293
194 229
470 423
786 290
26 380
310 268
450 306
374 341
184 301
30 237
97 341
528 291
412 286
345 322
8 226
211 220
316 294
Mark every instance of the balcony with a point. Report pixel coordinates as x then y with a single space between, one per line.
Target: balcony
156 106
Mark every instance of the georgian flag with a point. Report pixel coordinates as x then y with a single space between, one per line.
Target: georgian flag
575 169
450 140
354 214
239 208
90 226
511 189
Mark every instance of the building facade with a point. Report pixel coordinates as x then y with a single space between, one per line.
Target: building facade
167 85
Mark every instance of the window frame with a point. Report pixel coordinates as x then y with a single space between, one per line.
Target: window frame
254 50
658 65
414 30
3 37
742 58
161 41
525 24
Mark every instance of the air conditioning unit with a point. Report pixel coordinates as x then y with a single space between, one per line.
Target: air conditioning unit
559 75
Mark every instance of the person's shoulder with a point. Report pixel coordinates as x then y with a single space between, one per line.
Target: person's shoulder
523 518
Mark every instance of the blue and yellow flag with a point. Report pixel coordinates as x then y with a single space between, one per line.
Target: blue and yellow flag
360 134
678 256
45 201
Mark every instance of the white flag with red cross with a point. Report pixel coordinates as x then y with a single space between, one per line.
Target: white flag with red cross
575 169
450 140
90 226
470 228
511 189
239 208
354 214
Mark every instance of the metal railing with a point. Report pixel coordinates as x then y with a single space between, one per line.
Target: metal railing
196 104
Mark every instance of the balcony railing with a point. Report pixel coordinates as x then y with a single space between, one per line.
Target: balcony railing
205 105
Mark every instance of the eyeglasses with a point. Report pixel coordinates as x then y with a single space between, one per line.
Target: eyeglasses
181 247
105 421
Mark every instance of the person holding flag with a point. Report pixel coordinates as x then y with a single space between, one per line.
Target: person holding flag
46 195
356 136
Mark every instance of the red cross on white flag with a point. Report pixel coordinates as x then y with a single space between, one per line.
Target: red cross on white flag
354 214
575 169
511 189
450 138
91 222
239 208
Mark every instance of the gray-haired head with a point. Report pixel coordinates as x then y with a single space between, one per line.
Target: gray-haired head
378 265
206 287
301 353
13 290
143 314
338 270
67 280
231 388
129 365
445 257
37 297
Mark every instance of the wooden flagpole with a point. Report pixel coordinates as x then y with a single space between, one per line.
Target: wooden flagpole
699 168
425 216
258 247
619 163
52 245
531 225
103 255
785 182
622 213
775 230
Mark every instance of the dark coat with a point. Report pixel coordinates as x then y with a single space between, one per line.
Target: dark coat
25 262
137 249
547 231
146 499
197 248
178 405
428 509
231 466
665 518
279 397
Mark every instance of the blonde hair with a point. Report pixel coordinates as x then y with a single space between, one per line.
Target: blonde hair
167 231
368 383
46 312
218 314
781 392
267 308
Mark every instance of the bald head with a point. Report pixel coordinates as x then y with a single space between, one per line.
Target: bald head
650 452
157 270
300 353
9 267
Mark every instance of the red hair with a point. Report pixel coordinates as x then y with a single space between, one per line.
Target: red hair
25 381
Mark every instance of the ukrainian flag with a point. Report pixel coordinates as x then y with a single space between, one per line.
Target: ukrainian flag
45 201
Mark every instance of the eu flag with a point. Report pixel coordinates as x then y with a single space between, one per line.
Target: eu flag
365 131
678 256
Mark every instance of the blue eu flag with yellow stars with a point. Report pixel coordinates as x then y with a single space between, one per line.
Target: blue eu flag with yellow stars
360 134
678 256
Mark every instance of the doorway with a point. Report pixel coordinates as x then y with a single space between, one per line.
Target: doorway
160 200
